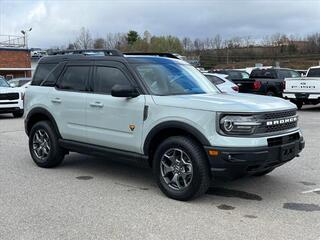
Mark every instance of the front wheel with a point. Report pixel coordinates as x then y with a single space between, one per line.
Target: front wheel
181 168
43 145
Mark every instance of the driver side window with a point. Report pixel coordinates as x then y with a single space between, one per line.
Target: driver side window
106 77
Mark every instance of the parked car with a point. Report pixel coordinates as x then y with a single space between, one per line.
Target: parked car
156 109
233 74
266 81
11 99
304 90
18 82
221 82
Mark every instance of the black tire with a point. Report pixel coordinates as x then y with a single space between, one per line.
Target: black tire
263 173
55 154
200 180
271 93
299 104
18 114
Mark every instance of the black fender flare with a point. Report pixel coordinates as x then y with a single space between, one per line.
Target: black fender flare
40 111
174 124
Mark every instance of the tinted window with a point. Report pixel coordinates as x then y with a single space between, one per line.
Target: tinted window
74 78
234 75
42 72
284 73
314 72
262 73
53 76
215 80
106 78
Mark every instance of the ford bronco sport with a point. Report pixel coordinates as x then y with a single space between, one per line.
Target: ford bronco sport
159 109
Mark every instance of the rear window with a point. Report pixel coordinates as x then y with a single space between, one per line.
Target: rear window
262 73
237 75
42 72
214 79
284 73
314 72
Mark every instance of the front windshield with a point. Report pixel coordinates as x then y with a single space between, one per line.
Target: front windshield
174 79
3 83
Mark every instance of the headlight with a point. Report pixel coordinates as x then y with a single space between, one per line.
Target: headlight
238 125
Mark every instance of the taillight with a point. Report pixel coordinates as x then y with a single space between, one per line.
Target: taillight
256 85
236 88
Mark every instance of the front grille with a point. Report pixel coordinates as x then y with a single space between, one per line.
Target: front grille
9 96
6 103
282 114
281 119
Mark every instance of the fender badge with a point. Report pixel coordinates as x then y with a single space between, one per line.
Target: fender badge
132 127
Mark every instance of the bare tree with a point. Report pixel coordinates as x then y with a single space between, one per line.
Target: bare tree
84 40
217 42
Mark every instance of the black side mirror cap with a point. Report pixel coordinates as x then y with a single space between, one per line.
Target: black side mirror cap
124 91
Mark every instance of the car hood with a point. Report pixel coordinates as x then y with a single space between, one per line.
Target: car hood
225 102
9 90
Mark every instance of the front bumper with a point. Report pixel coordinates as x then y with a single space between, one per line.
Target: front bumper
234 162
10 110
303 97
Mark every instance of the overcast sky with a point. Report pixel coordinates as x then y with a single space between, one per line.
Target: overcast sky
57 23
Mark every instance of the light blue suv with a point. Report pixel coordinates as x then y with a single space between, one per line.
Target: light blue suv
158 109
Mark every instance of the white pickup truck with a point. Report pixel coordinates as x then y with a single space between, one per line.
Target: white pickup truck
304 90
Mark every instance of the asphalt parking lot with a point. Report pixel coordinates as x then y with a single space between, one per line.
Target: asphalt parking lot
95 198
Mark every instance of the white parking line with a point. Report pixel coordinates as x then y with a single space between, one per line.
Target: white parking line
313 190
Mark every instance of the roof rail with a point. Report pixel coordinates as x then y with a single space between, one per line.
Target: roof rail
168 55
88 52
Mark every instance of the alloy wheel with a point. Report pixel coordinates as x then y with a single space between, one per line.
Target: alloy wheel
176 169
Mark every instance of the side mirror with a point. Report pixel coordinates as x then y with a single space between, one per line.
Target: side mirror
12 85
124 91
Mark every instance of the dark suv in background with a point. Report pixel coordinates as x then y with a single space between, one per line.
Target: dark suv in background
263 81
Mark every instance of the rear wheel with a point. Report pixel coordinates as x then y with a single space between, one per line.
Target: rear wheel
299 104
18 114
271 93
181 168
43 145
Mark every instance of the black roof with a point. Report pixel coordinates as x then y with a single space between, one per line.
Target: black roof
102 54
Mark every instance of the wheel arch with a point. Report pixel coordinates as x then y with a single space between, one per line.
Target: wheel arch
168 129
39 114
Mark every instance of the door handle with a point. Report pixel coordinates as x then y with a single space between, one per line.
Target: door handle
96 104
56 100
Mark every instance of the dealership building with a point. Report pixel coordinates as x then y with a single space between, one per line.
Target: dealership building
15 62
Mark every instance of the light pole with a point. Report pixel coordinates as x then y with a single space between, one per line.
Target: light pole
25 36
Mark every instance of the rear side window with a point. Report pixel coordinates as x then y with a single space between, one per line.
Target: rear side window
42 72
106 77
53 76
314 72
215 80
74 78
